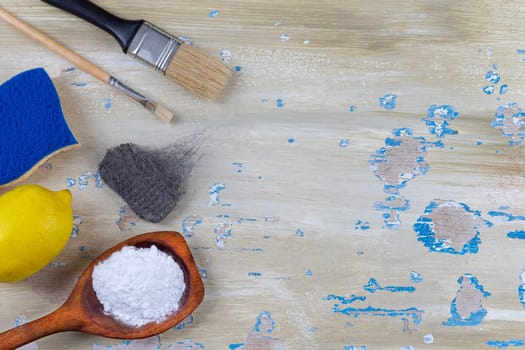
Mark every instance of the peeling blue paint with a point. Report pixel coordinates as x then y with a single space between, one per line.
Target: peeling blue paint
361 225
489 89
517 234
439 118
343 143
416 277
510 119
107 103
426 233
492 77
374 286
189 224
503 344
405 315
388 101
475 318
508 217
213 13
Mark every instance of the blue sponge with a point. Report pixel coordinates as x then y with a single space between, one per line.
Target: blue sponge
32 125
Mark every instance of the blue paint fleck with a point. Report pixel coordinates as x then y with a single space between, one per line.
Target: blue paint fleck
81 84
70 182
84 254
291 140
503 89
405 314
438 119
374 286
188 320
69 69
214 193
510 119
299 233
84 178
355 347
238 68
345 300
213 13
189 223
492 77
107 103
518 234
254 274
503 344
261 333
416 277
203 273
489 89
411 312
479 143
352 108
508 217
279 103
521 288
242 219
223 231
309 273
184 344
475 318
343 143
388 102
361 225
77 221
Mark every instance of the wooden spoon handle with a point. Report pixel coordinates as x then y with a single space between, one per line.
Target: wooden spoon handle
55 322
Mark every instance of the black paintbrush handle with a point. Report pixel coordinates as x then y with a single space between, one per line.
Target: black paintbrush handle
122 29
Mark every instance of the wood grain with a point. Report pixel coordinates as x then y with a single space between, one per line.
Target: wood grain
283 210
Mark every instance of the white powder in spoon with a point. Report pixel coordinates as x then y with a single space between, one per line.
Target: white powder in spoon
139 285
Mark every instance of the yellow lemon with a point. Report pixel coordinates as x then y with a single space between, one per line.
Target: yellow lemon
35 225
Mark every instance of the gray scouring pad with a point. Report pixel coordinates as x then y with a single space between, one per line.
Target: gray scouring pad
150 181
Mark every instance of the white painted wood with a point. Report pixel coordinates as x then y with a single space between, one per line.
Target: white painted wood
296 193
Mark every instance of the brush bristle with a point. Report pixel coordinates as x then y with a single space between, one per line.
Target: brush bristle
163 113
202 74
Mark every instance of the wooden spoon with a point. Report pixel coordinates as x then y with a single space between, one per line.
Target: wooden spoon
83 312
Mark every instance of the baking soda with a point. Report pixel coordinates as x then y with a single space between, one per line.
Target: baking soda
139 285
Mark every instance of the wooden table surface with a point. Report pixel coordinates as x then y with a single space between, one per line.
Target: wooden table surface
360 184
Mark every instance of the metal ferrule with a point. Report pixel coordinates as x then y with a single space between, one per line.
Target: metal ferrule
117 84
154 46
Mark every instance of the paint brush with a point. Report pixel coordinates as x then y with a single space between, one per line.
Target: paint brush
160 111
200 73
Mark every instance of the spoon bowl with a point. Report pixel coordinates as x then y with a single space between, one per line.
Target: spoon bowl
83 312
